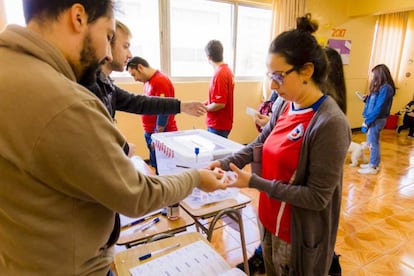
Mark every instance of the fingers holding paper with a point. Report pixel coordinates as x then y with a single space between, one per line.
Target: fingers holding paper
241 179
211 181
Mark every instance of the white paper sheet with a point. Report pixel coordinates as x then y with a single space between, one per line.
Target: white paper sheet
197 258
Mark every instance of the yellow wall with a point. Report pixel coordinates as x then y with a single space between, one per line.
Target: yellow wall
360 30
369 7
246 93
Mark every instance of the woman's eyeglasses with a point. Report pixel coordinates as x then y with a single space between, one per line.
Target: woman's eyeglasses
280 76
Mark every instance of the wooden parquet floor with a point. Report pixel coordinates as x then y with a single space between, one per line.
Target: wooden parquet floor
376 231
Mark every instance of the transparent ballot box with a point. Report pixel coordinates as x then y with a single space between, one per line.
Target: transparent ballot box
180 150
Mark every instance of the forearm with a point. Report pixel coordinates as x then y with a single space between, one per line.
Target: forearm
141 104
213 107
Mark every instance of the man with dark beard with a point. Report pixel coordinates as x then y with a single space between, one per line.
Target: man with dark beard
63 171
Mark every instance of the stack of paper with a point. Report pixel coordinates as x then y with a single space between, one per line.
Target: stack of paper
197 258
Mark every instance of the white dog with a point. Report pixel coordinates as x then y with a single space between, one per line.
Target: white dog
357 153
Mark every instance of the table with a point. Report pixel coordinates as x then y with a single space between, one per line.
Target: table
164 226
228 207
128 259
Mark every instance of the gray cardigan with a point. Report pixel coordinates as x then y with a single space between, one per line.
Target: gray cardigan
315 194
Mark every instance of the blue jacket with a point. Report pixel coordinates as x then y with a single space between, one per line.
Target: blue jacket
378 104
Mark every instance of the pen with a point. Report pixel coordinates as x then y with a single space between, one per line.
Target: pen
147 225
149 255
181 166
139 220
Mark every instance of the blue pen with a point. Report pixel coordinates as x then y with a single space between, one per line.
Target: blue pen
149 255
133 223
147 225
139 220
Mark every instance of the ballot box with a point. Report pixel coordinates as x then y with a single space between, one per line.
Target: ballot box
196 148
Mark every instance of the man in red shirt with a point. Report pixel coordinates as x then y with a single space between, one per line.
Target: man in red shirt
155 84
220 98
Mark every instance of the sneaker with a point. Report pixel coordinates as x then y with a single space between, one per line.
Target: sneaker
256 264
369 170
364 166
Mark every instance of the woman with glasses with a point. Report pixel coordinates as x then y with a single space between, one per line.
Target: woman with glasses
304 148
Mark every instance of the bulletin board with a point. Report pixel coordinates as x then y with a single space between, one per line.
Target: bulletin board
343 47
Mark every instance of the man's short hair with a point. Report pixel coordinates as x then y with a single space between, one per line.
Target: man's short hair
119 26
46 9
135 61
214 50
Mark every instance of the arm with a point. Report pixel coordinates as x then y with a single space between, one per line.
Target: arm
95 169
162 121
218 93
213 107
380 101
141 104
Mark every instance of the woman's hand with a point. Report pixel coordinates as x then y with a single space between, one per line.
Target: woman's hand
261 120
242 179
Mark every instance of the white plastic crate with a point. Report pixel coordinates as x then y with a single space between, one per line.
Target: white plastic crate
176 151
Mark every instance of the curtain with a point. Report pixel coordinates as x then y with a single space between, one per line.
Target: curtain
285 13
388 42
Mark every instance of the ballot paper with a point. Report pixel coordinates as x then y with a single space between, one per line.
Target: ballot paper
198 198
251 111
197 258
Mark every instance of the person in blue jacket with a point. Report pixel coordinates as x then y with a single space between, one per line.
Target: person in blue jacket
376 111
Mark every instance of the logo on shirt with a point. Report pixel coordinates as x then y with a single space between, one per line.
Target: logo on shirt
296 133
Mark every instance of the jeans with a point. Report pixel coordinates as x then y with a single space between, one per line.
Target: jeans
152 159
373 141
222 133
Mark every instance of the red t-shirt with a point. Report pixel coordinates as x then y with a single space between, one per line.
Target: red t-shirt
221 91
279 161
158 85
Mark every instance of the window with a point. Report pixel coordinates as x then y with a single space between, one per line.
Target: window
141 17
171 34
14 12
253 38
244 29
193 24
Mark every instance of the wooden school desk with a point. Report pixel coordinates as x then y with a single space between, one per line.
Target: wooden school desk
130 238
228 207
128 259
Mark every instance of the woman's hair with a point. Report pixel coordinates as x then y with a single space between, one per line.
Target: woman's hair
335 86
299 46
381 76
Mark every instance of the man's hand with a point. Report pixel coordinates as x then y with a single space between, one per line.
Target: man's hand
210 181
132 149
193 108
261 120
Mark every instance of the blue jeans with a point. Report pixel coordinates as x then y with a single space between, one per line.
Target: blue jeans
373 136
152 159
222 133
